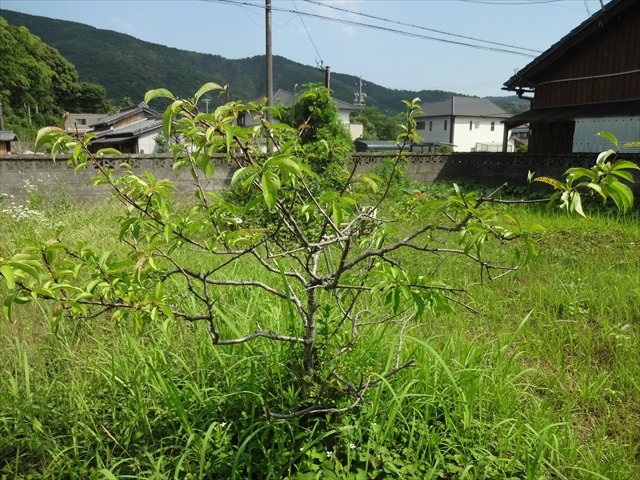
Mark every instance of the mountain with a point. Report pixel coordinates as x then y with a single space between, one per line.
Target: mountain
128 67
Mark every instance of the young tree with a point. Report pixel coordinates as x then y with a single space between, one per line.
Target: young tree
322 138
328 260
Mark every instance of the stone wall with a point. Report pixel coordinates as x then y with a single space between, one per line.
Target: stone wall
19 172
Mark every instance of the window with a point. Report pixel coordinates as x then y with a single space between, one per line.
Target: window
445 125
493 126
430 125
470 124
241 119
81 121
420 125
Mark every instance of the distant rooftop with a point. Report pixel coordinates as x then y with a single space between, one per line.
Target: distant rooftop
463 106
126 112
7 136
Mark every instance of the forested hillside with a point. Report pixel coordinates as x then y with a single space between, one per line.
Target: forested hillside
128 67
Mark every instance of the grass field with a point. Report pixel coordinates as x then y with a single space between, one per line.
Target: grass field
543 383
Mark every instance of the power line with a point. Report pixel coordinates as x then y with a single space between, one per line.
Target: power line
513 2
418 26
308 34
378 27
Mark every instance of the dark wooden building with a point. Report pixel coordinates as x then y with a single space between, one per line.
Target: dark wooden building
6 137
587 82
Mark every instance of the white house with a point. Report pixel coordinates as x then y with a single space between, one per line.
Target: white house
467 124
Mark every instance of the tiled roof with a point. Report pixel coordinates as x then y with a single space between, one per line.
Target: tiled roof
465 107
126 112
139 127
7 136
132 129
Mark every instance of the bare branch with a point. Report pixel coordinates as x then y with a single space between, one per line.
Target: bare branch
258 334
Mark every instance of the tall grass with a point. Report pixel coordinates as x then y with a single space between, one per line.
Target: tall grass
543 383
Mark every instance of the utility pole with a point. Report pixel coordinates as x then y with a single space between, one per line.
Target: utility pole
1 117
206 102
293 105
269 55
360 95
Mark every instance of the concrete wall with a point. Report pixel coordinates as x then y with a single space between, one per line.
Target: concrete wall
18 172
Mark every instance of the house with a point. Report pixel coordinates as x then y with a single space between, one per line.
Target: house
467 124
286 99
130 130
587 82
519 137
6 137
81 122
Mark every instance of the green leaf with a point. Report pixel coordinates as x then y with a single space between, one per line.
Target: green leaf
7 273
46 134
108 151
79 167
418 303
625 193
366 179
624 164
336 214
550 181
239 174
604 155
395 299
107 474
608 136
7 306
270 184
228 135
576 204
623 174
158 92
595 187
167 117
285 162
582 172
28 269
207 87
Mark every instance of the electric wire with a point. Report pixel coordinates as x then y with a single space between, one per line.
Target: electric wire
346 10
381 28
308 34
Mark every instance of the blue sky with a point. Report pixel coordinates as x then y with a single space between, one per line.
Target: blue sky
351 36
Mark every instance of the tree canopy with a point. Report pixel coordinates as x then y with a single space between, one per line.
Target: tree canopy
37 84
377 125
